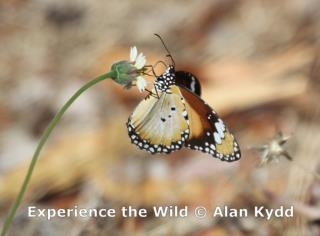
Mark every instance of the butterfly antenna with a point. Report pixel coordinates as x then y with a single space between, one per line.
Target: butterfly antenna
169 54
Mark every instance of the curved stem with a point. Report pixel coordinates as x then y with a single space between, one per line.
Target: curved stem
43 140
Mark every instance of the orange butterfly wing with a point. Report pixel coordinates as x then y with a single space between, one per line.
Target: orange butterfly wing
208 133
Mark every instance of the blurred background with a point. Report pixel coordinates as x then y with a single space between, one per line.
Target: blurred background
259 66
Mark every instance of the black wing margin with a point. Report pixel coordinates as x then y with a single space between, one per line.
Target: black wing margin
189 81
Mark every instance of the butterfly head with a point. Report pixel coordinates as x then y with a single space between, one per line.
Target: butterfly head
166 80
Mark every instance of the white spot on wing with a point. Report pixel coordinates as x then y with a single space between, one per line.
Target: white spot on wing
220 128
193 84
217 137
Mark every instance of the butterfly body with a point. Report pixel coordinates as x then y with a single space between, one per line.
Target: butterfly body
178 117
166 80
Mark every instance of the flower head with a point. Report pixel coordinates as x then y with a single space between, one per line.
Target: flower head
129 73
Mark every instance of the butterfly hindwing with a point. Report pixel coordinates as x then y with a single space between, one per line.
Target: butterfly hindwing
160 125
189 81
208 133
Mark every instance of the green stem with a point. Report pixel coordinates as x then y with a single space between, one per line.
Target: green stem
43 140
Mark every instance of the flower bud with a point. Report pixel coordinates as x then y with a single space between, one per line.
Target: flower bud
123 72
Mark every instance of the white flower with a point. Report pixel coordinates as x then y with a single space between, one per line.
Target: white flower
141 83
133 54
138 60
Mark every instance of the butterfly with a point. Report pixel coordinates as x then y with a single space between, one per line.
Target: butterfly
177 117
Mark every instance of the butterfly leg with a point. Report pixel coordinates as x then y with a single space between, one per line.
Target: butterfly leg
152 70
162 62
153 66
155 75
155 88
151 94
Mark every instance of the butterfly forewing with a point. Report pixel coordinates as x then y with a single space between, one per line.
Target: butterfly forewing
208 133
160 125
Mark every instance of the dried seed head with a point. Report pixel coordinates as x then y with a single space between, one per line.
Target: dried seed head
274 149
